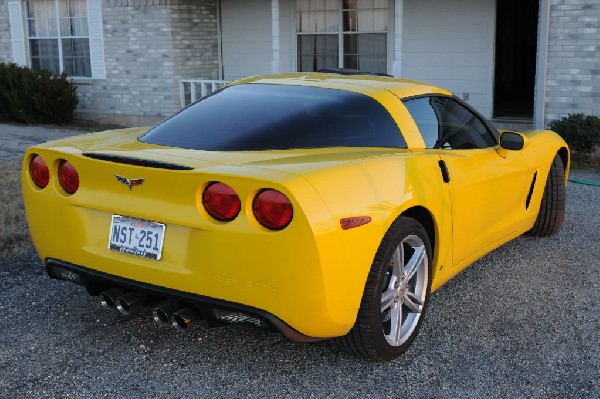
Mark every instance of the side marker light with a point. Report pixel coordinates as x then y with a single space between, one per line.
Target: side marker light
356 221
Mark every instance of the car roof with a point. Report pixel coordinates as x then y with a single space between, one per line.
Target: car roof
369 85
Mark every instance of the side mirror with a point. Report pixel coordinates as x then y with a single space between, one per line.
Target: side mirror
511 141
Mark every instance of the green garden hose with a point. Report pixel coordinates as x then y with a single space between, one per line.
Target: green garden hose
587 183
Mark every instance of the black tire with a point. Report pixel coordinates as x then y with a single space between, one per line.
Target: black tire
373 332
552 210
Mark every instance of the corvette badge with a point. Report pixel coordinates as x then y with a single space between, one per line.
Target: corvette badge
131 183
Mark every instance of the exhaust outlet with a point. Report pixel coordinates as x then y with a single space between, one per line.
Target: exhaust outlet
130 303
108 299
183 318
163 311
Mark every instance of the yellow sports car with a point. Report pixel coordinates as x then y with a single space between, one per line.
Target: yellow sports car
321 205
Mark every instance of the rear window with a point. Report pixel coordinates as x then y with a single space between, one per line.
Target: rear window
264 116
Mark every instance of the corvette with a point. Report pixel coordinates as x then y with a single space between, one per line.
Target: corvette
321 205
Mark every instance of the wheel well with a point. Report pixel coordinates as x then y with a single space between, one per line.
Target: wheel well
563 153
423 216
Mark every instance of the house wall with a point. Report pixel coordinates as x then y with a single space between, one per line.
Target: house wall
451 44
573 68
149 46
247 37
138 62
5 43
194 40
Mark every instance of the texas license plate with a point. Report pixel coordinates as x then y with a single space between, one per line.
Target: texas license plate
136 237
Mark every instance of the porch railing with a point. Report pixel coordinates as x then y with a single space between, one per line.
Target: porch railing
190 88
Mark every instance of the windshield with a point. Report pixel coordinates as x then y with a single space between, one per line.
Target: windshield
263 116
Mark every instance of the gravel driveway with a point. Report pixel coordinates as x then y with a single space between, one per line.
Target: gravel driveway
15 138
521 322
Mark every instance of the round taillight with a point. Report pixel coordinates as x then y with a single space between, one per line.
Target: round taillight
68 177
272 209
221 202
40 174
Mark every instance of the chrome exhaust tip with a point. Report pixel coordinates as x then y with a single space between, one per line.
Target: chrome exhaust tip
183 318
130 303
163 311
108 299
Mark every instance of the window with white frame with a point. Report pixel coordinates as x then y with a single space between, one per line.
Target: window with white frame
59 36
342 34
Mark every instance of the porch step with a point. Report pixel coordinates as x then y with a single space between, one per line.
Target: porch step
516 124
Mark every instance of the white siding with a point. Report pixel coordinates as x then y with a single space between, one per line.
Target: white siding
446 43
451 44
247 40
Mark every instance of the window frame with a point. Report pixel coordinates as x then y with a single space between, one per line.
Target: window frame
341 34
492 131
19 40
59 37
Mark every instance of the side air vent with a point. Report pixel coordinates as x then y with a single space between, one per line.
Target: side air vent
530 191
136 161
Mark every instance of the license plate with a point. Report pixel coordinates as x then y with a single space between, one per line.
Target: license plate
137 237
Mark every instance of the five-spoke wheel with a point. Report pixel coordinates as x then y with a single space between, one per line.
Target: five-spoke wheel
396 294
405 290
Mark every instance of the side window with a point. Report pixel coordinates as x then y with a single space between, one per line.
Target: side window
445 123
426 119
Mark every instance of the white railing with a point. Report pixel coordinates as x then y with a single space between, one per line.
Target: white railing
188 89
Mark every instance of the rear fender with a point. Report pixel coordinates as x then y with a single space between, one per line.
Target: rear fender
382 189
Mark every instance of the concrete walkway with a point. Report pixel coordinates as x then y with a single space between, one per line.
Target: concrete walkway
15 138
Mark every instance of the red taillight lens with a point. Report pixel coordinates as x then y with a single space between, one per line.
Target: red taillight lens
221 202
272 209
39 171
68 177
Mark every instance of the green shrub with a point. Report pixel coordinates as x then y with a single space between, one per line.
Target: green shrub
581 132
30 96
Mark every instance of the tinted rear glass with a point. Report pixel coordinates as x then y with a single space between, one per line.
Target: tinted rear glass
262 117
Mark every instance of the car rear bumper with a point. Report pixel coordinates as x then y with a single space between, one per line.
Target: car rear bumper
215 311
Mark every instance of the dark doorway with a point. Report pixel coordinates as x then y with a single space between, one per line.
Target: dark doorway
516 47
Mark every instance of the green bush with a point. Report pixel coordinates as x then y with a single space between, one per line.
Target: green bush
581 132
30 96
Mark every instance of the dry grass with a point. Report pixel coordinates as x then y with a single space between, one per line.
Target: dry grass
14 235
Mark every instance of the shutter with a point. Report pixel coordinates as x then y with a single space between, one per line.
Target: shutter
15 16
96 39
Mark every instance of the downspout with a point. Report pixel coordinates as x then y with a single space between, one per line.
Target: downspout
398 37
542 65
220 41
275 35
